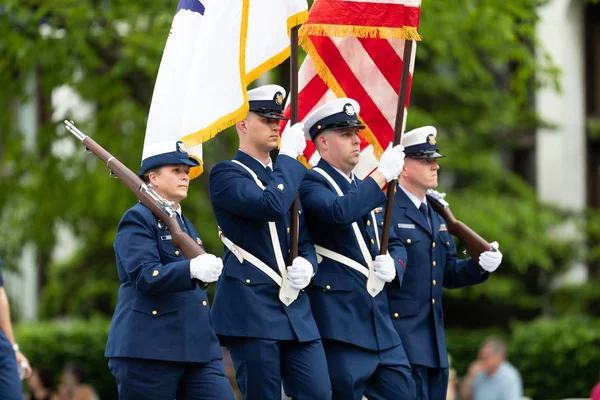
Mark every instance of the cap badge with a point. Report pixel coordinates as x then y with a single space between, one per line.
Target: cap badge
431 140
181 147
279 98
349 109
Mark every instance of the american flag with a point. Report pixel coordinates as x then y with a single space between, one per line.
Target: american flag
355 49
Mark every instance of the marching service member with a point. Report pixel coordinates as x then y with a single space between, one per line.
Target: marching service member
432 264
161 344
261 311
364 352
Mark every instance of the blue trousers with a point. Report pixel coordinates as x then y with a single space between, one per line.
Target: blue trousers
261 365
378 375
432 383
139 379
10 384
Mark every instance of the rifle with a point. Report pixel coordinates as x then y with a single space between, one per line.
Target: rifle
473 243
160 207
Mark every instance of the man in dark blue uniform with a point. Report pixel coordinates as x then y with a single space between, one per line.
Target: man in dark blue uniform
364 352
11 358
161 342
432 263
261 311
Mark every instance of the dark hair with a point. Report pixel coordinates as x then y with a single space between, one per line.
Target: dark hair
146 175
74 370
46 377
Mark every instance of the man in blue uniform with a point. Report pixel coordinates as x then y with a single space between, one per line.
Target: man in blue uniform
432 263
364 352
11 358
161 342
261 311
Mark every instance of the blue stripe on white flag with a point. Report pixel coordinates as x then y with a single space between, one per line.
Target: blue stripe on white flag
192 5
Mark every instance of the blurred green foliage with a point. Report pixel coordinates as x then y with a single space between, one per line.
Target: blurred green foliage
54 344
557 358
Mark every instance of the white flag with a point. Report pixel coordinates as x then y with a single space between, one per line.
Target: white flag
215 49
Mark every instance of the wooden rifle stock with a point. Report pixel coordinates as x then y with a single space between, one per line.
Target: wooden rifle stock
473 243
146 196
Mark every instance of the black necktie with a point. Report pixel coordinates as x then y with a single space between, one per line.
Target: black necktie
269 170
181 223
423 209
353 183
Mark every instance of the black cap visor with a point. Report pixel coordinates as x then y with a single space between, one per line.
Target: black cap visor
339 126
425 154
271 114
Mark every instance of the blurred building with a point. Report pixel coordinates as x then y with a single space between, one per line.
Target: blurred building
564 159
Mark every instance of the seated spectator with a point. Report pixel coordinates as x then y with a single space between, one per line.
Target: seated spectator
452 391
73 387
41 383
491 376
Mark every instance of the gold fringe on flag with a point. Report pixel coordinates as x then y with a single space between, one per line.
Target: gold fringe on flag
304 162
296 19
196 171
372 32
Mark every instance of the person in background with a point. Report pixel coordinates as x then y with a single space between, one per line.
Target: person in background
40 385
491 376
12 362
73 387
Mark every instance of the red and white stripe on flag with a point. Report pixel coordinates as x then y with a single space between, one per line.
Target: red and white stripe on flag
355 50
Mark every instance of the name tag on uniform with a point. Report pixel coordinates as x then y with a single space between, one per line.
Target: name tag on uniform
165 237
443 228
406 226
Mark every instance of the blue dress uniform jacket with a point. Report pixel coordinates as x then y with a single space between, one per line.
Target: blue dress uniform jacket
432 263
246 300
161 312
343 308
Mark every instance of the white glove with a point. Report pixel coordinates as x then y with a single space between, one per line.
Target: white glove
384 268
391 162
293 141
300 273
206 267
490 260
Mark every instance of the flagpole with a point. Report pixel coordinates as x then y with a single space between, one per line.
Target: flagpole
293 119
398 130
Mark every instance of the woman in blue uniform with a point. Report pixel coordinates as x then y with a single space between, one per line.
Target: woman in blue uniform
161 343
